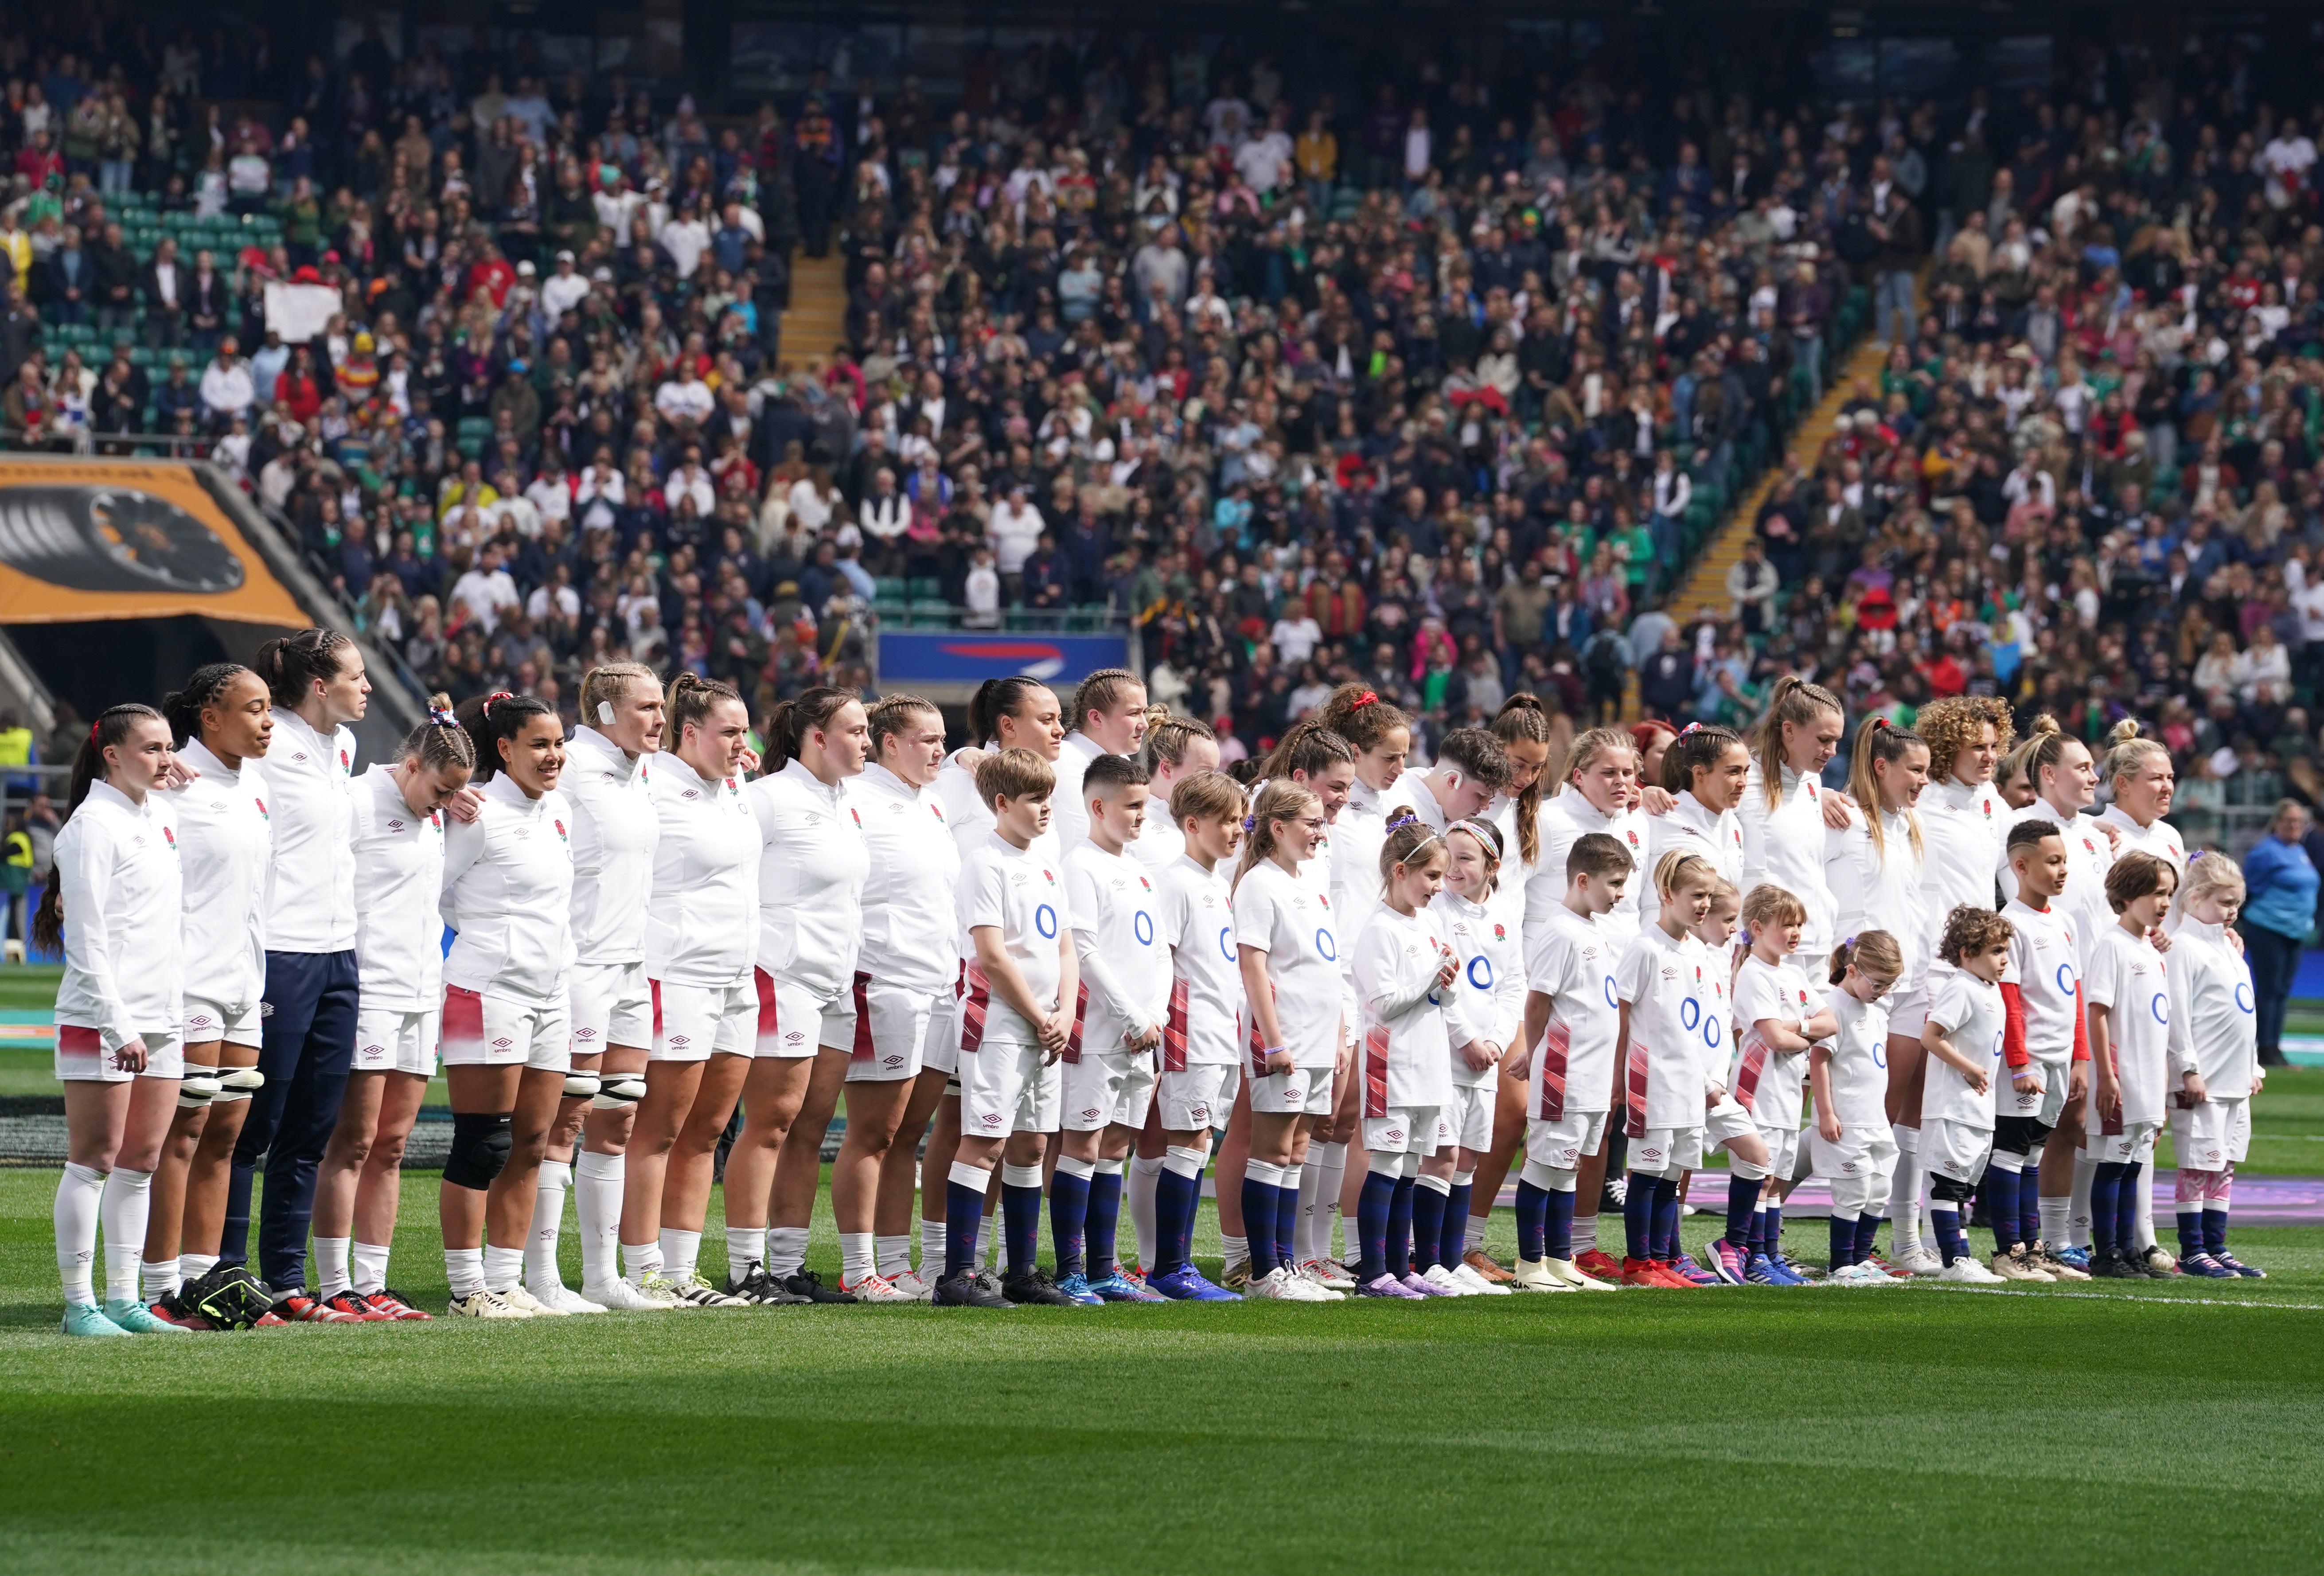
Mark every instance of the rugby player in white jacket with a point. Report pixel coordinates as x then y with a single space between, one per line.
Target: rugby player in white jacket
113 908
505 1033
398 848
222 720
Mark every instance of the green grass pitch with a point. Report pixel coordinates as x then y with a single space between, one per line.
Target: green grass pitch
2172 1428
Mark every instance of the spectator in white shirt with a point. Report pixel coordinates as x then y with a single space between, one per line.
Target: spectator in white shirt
1017 528
689 479
563 290
486 591
685 400
982 592
884 513
226 388
600 489
1296 637
555 595
686 238
552 492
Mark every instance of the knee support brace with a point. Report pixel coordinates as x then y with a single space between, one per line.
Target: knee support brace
619 1090
239 1084
581 1084
481 1142
1950 1189
197 1088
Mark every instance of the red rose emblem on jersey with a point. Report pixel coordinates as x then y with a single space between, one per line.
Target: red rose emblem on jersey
857 816
1633 839
262 808
344 762
560 828
1501 933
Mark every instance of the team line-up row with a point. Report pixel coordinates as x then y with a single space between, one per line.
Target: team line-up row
1074 958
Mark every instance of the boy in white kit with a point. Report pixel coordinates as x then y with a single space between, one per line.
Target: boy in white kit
2135 1037
1967 1022
2046 1047
1201 1063
1847 1076
1110 1066
1015 1016
2215 1071
1572 1023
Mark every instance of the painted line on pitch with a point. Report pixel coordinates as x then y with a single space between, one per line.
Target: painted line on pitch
2125 1297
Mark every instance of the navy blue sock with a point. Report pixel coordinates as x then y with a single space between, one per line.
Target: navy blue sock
1771 1231
1175 1198
1559 1241
2029 1202
1742 1204
1843 1242
963 1223
1286 1224
2126 1207
1755 1235
1069 1197
2000 1189
1373 1209
1945 1217
1868 1228
2106 1196
1104 1216
1259 1206
2191 1238
1452 1246
1533 1219
1638 1216
1021 1228
1667 1217
2215 1231
1427 1226
1399 1228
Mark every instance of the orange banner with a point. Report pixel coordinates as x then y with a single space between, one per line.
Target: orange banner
93 540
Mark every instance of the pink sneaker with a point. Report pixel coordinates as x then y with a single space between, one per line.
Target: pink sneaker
1388 1285
1413 1282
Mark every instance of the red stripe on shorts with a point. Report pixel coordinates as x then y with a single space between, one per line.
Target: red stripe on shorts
1376 1072
75 1040
1746 1077
863 1051
1080 1015
973 1007
768 1017
463 1022
1556 1044
1634 1124
1174 1030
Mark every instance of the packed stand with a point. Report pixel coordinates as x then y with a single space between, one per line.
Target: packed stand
1436 390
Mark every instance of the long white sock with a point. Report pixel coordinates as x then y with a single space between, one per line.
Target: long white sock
123 1207
1585 1234
680 1251
1311 1213
158 1280
370 1274
2078 1217
1140 1188
745 1246
2143 1207
1235 1249
932 1248
597 1205
78 1191
1905 1191
331 1265
2054 1211
786 1250
194 1265
502 1266
465 1268
540 1270
855 1255
1330 1162
1472 1235
893 1256
640 1260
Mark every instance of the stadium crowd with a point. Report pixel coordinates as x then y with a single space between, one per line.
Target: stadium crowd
1437 391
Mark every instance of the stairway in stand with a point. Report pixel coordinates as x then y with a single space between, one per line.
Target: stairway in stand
816 319
1707 581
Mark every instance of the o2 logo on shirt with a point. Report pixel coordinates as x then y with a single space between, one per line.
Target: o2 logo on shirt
1141 926
1044 920
2160 1007
1712 1031
1613 1002
2244 996
2066 980
1880 1053
1226 943
1689 1014
1480 962
1326 947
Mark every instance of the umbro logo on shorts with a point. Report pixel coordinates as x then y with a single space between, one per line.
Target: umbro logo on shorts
679 1039
1651 1153
201 1020
1090 1114
991 1119
374 1050
891 1061
794 1036
1847 1165
584 1034
1293 1092
502 1043
1565 1159
1202 1115
1394 1137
